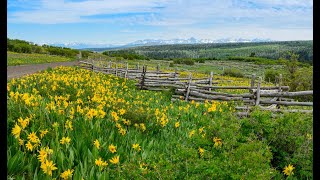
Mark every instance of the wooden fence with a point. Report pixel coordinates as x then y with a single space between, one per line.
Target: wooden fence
201 89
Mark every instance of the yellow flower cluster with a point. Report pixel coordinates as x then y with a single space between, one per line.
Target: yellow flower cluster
217 142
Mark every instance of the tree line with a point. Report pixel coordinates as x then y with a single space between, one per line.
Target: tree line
21 46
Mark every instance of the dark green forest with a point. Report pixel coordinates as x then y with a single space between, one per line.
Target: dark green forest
215 51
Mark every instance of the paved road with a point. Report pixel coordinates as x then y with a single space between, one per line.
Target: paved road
18 71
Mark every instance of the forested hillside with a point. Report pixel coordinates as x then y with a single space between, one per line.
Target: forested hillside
269 50
21 46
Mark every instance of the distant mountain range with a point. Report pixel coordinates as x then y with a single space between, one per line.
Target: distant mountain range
152 42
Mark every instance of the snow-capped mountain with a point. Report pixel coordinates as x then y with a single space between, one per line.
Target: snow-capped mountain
194 41
150 42
77 45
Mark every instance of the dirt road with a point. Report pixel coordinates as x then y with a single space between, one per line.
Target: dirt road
18 71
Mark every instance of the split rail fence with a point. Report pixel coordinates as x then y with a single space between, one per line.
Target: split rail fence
202 89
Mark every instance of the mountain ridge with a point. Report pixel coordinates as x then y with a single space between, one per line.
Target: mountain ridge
152 42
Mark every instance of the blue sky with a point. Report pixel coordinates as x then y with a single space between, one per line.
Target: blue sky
125 21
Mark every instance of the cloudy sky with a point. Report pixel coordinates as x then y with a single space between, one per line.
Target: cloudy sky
124 21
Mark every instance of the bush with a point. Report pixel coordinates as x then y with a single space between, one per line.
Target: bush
271 75
233 72
200 60
183 61
171 65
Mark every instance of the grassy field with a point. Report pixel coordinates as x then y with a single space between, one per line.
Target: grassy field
216 66
69 123
14 59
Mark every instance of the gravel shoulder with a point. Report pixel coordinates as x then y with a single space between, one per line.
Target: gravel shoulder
22 70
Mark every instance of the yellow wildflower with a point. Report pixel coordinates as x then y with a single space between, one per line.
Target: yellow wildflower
201 151
68 125
33 137
115 116
114 160
112 148
288 170
217 142
177 124
142 127
16 130
20 142
122 111
67 174
48 167
99 162
55 124
65 140
29 146
201 130
97 143
191 133
23 123
43 132
136 147
122 131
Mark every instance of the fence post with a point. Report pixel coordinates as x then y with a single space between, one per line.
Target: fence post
188 87
210 80
158 67
116 69
175 73
253 80
126 73
143 74
279 89
258 92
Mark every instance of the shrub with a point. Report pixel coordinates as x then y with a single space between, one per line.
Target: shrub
233 72
271 75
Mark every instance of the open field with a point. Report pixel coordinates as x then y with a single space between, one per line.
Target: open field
270 50
23 58
218 67
69 122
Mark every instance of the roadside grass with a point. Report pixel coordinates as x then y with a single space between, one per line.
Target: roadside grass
14 59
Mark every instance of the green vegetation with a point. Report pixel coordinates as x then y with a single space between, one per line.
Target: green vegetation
183 61
24 52
14 59
129 55
69 122
233 72
264 50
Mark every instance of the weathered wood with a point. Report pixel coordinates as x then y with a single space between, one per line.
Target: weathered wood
242 114
116 69
175 75
225 98
149 75
287 94
143 74
271 88
253 78
162 85
258 92
285 103
188 87
274 110
172 79
210 80
155 89
246 95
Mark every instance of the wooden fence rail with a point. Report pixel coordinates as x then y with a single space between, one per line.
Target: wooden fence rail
202 89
